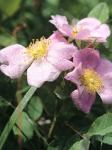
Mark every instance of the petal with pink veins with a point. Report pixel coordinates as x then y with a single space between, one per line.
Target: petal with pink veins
83 100
75 75
104 67
88 57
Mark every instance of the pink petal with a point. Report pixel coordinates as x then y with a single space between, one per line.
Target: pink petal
104 67
58 20
83 100
62 50
83 35
14 61
88 57
89 23
59 55
66 30
106 92
75 75
57 37
61 24
102 32
60 63
41 71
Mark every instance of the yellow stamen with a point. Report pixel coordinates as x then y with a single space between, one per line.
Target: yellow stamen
91 80
75 31
38 48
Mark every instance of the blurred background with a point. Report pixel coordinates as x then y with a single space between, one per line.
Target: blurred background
20 22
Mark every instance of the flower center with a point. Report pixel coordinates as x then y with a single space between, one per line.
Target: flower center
91 80
75 31
38 48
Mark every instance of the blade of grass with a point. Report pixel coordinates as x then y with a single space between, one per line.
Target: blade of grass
15 115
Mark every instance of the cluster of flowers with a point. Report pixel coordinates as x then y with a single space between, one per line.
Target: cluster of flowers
45 59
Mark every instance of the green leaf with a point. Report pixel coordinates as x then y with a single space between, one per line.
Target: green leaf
101 126
81 145
90 3
61 93
35 108
24 127
15 115
52 148
107 139
10 6
101 12
53 2
7 39
4 102
50 7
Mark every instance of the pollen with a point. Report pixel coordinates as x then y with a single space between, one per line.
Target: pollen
91 80
38 48
75 31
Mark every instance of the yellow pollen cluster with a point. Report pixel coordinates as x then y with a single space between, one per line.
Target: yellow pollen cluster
75 31
38 48
91 80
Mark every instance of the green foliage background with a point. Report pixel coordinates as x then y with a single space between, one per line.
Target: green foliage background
50 121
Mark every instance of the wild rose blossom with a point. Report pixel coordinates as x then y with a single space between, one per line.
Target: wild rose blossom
87 29
44 59
92 74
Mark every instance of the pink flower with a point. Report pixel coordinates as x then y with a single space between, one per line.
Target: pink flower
87 29
44 59
91 75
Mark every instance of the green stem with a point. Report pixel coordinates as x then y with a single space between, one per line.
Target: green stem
40 136
37 132
52 127
15 115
